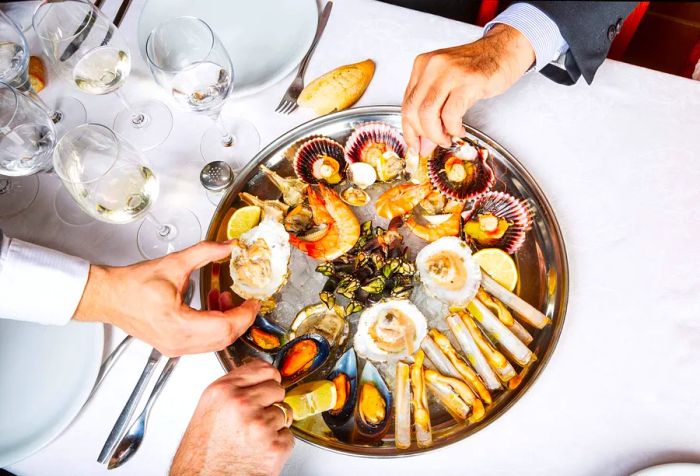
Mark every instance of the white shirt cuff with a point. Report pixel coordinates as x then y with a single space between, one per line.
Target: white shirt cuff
38 284
540 30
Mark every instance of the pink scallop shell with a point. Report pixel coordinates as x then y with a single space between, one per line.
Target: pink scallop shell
485 177
374 133
503 205
310 150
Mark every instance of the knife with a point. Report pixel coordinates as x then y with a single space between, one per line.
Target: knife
82 32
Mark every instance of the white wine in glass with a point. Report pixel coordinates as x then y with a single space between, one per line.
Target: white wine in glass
102 70
112 181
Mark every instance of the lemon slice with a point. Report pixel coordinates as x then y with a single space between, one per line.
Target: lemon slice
311 398
242 220
499 265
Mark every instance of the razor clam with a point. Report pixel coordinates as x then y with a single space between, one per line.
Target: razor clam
504 315
523 309
496 359
344 377
265 335
301 357
374 405
421 414
438 359
465 372
402 410
455 396
501 334
324 320
472 352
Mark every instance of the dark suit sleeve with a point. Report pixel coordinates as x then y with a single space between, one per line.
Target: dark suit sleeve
588 28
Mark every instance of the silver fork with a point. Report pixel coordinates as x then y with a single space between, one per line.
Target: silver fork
289 101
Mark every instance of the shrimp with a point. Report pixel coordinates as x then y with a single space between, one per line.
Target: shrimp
342 232
401 199
432 231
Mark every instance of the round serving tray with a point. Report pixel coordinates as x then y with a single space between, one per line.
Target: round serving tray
541 262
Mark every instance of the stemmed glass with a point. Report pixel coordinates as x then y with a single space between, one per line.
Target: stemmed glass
113 182
90 52
187 59
67 111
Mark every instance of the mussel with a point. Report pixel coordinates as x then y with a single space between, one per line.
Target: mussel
344 376
265 335
498 219
324 320
374 405
301 357
461 172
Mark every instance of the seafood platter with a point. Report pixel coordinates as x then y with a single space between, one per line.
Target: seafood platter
417 298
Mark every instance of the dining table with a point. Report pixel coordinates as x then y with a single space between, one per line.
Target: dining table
619 161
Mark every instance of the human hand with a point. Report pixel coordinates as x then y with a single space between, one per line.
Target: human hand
445 83
235 430
145 300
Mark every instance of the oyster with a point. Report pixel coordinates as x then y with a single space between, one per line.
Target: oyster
301 357
344 377
321 319
320 159
379 145
260 260
500 220
374 405
265 335
461 172
390 329
448 271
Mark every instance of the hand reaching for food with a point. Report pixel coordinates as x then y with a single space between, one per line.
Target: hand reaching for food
238 427
146 301
445 83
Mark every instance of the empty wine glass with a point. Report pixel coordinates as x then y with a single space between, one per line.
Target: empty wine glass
65 112
90 52
112 181
27 137
188 59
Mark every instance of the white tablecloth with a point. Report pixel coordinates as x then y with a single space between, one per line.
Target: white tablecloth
620 162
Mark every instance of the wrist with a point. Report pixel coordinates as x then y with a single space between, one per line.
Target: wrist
514 52
96 292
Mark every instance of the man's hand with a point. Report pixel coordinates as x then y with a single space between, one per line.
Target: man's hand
145 300
235 430
445 83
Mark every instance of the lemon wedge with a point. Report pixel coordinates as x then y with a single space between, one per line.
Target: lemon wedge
311 398
499 265
242 220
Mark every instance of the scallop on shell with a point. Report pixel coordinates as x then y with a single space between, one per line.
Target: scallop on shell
379 145
462 171
320 159
500 220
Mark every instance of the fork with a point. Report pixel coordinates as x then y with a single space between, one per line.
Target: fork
289 102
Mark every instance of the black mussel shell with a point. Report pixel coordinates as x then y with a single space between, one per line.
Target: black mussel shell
293 372
338 421
265 328
367 431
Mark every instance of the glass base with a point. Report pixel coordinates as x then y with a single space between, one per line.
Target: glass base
215 197
17 194
246 143
181 230
146 129
71 114
68 211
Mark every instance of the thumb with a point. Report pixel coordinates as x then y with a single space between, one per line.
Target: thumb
203 253
426 146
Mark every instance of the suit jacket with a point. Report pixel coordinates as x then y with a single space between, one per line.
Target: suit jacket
588 27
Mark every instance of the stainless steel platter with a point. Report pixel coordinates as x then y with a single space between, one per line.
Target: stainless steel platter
541 262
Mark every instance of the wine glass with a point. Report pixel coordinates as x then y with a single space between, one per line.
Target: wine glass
27 137
112 181
65 112
188 59
90 52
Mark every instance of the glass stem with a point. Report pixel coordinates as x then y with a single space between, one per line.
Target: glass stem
138 119
164 231
227 138
55 116
5 186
